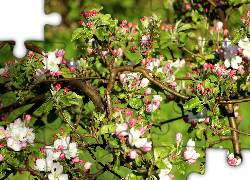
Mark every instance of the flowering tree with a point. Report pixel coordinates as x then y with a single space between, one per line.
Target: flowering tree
125 61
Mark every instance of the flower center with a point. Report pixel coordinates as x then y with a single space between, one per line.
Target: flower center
52 63
1 133
245 44
57 176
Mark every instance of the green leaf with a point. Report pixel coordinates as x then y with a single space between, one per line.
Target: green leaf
181 168
117 166
104 129
77 34
135 103
113 142
213 78
237 37
65 101
161 165
207 83
167 43
199 133
211 103
99 34
210 56
185 27
49 105
200 108
183 37
192 103
164 38
168 145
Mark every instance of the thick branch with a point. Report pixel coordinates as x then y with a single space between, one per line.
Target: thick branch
235 136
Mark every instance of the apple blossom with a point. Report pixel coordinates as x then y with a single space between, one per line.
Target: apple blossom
1 157
87 165
147 92
134 138
151 108
57 175
163 173
178 137
133 154
121 129
147 146
132 122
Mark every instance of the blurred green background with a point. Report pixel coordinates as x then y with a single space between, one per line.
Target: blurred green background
132 10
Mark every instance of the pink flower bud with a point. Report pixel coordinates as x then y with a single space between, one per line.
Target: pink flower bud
76 159
42 149
207 120
178 137
240 118
87 165
30 53
15 61
142 130
118 109
204 93
182 63
28 117
124 22
219 25
237 106
175 28
71 68
58 73
80 162
120 52
138 118
248 13
133 154
241 68
61 156
147 92
189 74
220 52
199 38
205 66
64 61
246 22
219 71
147 146
127 113
187 6
232 72
216 29
132 122
193 123
225 32
185 118
89 24
122 138
236 114
173 84
1 157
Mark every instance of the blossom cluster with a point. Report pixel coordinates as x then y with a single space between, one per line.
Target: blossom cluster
17 135
62 149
